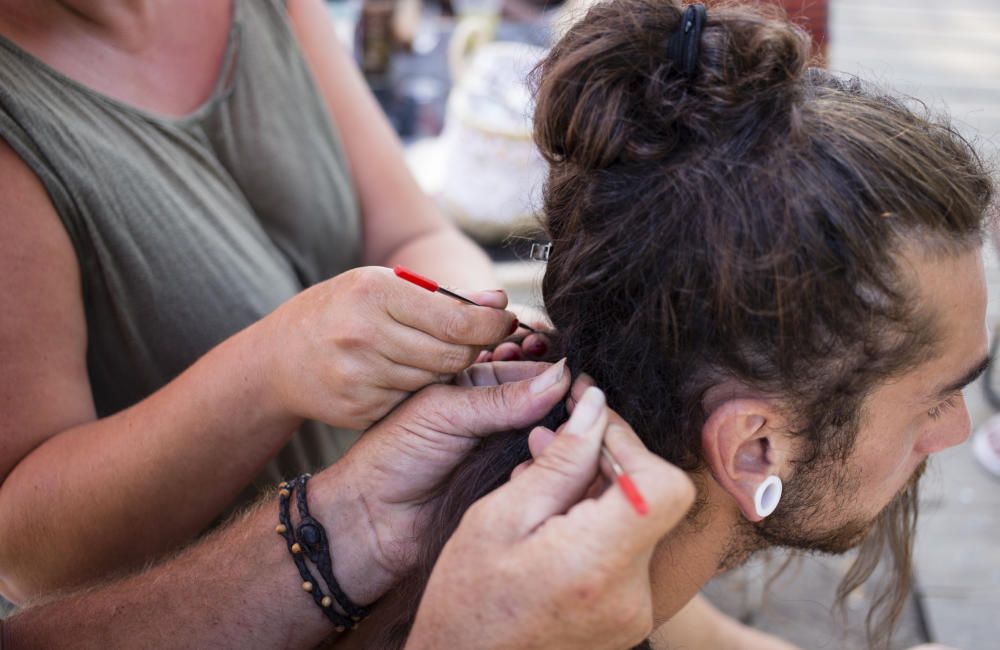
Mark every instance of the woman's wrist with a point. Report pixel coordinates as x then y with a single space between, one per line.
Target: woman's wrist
256 369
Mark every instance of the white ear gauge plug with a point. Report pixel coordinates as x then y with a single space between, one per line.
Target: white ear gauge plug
767 496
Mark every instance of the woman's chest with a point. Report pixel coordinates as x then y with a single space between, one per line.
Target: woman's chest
166 63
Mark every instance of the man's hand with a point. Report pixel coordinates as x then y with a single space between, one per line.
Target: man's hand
533 566
370 501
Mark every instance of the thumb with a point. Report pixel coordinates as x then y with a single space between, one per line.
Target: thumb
559 476
479 410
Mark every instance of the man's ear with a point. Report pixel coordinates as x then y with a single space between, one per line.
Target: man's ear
743 445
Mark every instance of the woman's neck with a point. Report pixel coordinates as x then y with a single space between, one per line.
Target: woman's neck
126 23
161 57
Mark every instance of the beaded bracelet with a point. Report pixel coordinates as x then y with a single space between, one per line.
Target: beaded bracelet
313 539
284 528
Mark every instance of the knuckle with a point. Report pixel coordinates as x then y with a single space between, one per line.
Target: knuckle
513 397
354 411
354 280
433 407
367 275
455 359
349 337
345 369
494 400
561 457
458 326
428 409
364 283
589 588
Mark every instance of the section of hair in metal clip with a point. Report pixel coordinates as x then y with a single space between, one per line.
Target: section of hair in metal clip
540 252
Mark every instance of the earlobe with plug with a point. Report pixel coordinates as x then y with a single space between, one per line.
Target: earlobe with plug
767 496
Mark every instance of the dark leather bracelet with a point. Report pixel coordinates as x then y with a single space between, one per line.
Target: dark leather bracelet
295 547
312 537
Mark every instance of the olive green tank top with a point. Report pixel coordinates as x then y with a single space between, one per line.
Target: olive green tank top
188 230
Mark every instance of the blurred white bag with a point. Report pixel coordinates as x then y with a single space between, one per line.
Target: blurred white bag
484 170
492 169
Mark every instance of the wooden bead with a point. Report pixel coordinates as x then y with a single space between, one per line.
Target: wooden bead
326 602
307 586
296 548
283 492
280 529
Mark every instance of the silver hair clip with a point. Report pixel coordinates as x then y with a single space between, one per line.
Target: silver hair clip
540 252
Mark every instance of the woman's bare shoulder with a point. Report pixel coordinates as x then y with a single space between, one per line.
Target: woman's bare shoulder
43 334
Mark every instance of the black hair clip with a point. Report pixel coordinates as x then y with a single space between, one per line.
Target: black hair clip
685 42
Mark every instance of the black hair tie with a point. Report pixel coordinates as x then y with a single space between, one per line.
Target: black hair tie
685 42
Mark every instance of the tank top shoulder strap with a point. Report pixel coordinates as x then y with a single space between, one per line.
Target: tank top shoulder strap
23 124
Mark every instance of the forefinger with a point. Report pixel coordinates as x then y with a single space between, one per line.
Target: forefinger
444 318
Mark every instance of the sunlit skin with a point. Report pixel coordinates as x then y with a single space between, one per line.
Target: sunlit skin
923 411
904 421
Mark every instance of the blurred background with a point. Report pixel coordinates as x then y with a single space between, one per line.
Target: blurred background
450 75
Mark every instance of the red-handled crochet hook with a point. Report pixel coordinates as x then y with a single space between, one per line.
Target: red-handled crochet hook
625 482
433 286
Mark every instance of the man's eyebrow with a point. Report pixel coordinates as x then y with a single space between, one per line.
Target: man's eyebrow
966 379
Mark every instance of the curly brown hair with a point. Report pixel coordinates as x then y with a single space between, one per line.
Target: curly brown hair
742 224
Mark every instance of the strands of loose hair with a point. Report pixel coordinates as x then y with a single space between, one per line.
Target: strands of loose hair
743 224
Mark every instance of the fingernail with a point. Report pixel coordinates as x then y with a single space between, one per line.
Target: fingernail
537 348
587 410
549 378
513 327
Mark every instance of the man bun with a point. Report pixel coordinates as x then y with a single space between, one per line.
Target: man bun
608 91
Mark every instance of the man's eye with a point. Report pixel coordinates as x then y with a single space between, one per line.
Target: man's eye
936 412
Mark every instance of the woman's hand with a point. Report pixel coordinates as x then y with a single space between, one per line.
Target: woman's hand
534 346
346 351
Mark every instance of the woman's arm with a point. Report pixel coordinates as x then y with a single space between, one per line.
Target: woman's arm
82 496
401 224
